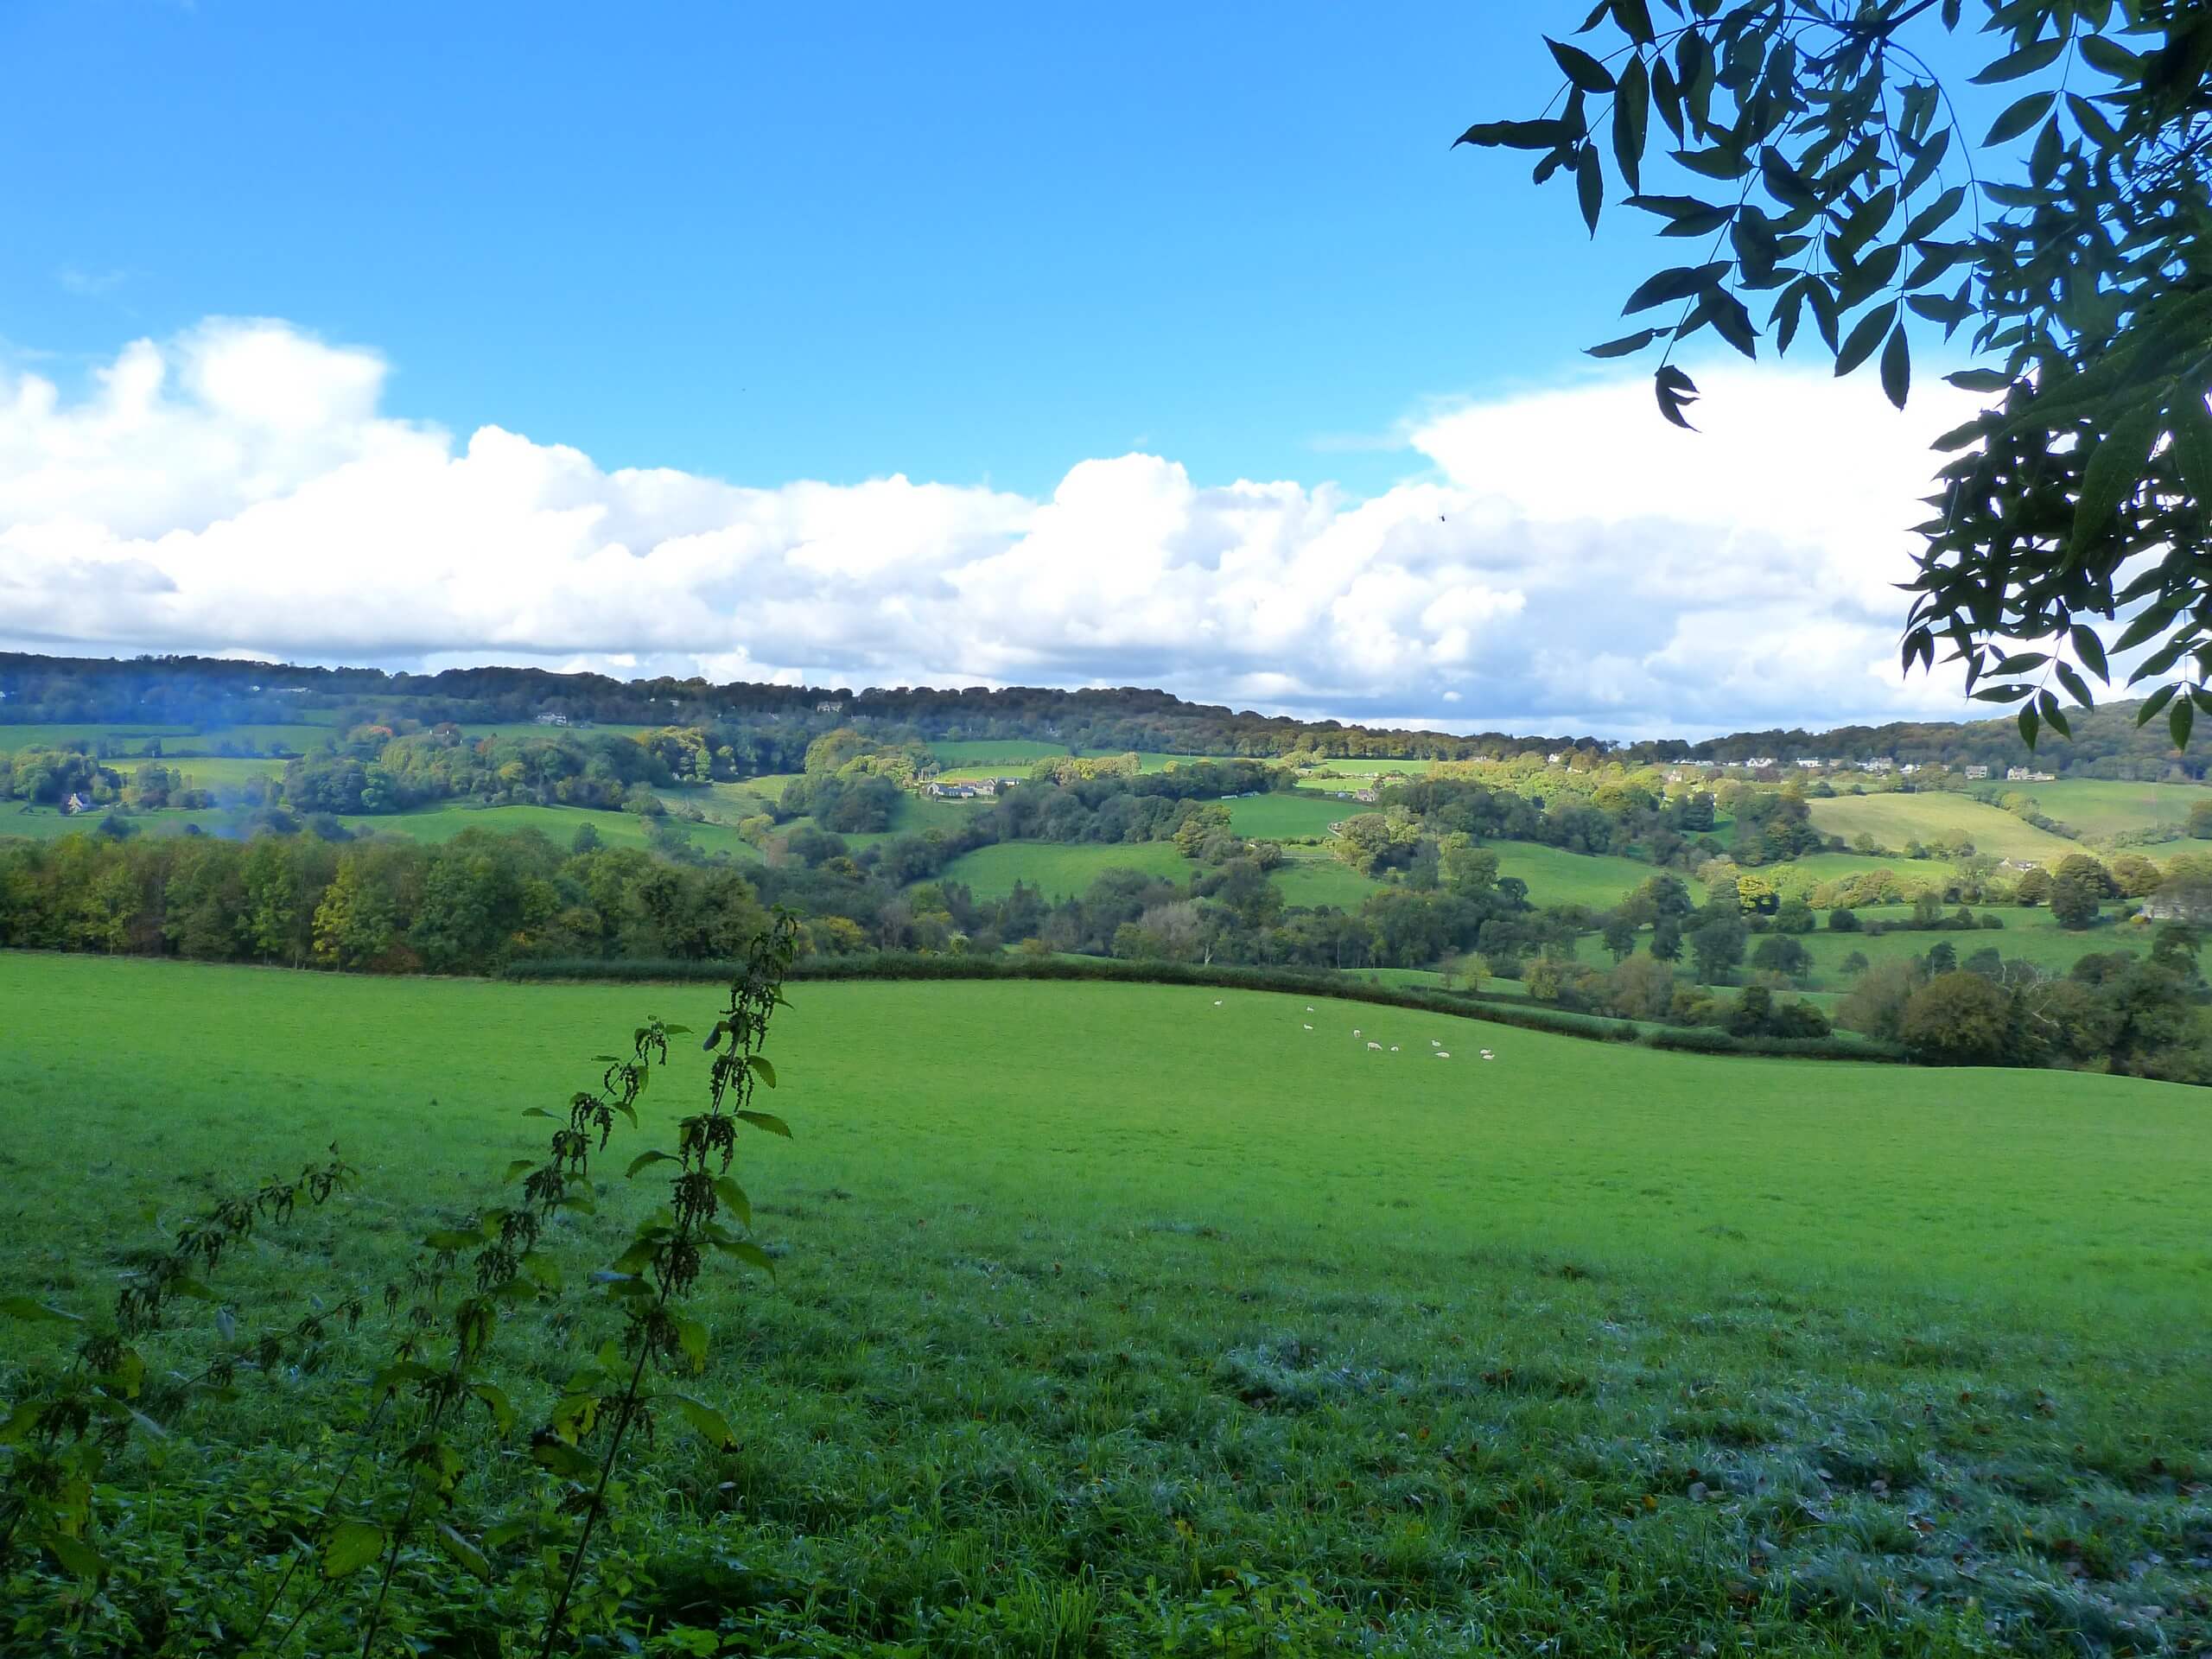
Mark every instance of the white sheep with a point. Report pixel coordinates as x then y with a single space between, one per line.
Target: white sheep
1355 1030
1378 1047
1394 1048
1488 1055
1217 1002
1441 1055
1433 1043
1309 1028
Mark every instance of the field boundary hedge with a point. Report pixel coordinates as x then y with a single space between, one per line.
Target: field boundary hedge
898 964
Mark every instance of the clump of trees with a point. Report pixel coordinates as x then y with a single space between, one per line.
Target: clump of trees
2113 1011
49 777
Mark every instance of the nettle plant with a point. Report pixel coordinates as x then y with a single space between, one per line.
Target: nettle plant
1822 168
60 1434
401 1537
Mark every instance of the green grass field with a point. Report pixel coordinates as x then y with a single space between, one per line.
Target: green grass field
1313 880
1283 816
1801 876
132 737
1093 1300
2097 809
1892 820
177 741
296 737
1060 869
46 824
222 773
1554 877
914 815
2028 935
983 754
1377 768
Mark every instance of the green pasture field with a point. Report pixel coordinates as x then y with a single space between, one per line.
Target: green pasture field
1412 768
1313 880
2028 935
558 824
177 741
1111 1321
293 737
221 772
1011 760
1062 869
1557 877
1802 875
1894 819
2097 807
984 754
1284 816
1361 774
132 736
913 816
729 803
19 819
768 785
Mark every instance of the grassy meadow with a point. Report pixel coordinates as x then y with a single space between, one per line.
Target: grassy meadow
983 754
176 740
1108 1320
1894 819
50 823
223 773
2030 934
132 737
1314 879
1060 869
1284 816
1557 877
2097 807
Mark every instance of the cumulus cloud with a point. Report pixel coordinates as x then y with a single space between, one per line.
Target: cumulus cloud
1558 561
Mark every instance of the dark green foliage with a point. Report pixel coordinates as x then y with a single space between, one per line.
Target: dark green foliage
1780 953
1717 943
2074 901
1959 1019
1843 194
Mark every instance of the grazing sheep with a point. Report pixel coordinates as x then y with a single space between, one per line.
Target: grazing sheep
1394 1048
1488 1055
1309 1008
1217 1002
1433 1043
1309 1028
1441 1055
1374 1045
1355 1030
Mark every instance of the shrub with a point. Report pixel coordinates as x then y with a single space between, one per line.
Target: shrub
1958 1019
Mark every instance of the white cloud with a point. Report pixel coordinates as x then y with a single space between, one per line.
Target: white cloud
1563 561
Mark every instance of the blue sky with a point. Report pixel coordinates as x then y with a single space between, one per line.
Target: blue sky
1169 346
768 242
